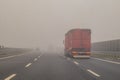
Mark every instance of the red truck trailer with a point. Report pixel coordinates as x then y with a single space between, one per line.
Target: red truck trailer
78 43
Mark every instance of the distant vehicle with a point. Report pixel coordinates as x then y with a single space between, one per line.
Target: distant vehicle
78 43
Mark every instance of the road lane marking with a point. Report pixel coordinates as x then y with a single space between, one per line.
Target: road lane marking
10 77
28 65
95 74
76 63
39 56
11 56
7 57
107 61
35 59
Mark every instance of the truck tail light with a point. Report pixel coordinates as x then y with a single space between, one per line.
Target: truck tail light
88 53
75 53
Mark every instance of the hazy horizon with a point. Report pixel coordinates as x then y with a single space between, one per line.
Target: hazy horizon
43 23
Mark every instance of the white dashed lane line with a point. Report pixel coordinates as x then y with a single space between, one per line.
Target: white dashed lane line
76 62
35 59
38 56
10 77
92 72
29 64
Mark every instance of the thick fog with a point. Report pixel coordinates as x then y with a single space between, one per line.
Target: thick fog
43 23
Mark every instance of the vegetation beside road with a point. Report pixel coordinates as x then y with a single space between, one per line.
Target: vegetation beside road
111 55
4 52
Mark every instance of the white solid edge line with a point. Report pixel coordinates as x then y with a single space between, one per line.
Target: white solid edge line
107 61
93 73
11 56
7 57
10 77
28 65
76 63
35 59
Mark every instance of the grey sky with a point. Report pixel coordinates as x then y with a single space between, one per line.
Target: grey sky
39 23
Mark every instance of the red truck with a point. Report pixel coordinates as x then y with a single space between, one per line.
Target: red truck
78 43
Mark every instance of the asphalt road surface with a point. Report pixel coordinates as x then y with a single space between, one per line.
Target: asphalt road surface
53 66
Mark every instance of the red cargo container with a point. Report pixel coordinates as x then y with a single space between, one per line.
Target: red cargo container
78 43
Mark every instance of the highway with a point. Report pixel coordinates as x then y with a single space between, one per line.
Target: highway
35 65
